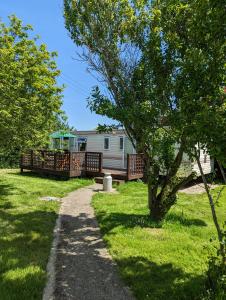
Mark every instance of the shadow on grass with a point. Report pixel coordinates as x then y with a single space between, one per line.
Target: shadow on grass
5 191
172 218
81 256
25 242
39 175
159 282
25 246
112 220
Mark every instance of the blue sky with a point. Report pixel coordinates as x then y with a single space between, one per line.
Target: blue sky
46 17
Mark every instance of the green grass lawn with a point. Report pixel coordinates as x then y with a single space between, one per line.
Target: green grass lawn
159 263
26 231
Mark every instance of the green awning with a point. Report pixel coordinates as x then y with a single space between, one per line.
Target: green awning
62 134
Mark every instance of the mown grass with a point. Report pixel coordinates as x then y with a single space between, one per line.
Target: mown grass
159 263
26 231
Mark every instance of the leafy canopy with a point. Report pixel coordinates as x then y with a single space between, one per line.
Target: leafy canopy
30 99
163 62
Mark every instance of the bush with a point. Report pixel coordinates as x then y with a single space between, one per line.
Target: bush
9 160
216 275
216 282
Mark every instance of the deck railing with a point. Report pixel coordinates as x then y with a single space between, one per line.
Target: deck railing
46 160
74 164
71 164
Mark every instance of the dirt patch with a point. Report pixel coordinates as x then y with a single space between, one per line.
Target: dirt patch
49 198
155 231
197 188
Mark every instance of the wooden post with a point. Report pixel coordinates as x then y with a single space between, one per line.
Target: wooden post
70 161
55 161
100 162
32 158
43 160
21 163
128 166
85 161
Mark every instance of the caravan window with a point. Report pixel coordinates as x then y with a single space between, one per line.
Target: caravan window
82 143
121 142
106 143
81 146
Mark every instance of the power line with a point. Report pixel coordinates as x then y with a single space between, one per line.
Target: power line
80 83
74 81
77 87
74 88
104 90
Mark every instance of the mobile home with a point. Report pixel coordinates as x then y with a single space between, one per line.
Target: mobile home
115 146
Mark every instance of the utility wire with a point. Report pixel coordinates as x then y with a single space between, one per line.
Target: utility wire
74 81
73 87
74 84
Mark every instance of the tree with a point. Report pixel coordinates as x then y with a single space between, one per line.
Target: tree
205 54
30 99
211 134
150 56
216 281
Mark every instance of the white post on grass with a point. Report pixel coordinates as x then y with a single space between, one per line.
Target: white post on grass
107 182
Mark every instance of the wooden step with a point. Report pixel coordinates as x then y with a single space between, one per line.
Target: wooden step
114 181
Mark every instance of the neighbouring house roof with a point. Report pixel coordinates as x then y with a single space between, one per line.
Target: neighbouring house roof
89 132
62 134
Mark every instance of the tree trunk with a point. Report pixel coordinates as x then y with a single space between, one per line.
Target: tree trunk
213 211
161 198
157 211
153 184
160 205
162 195
222 170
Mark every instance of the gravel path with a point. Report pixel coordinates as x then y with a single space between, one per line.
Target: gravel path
84 270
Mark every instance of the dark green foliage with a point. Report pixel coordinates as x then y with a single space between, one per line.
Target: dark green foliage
216 281
163 67
10 159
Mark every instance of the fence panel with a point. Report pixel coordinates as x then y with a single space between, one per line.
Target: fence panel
62 161
77 163
38 160
135 166
49 160
26 159
93 162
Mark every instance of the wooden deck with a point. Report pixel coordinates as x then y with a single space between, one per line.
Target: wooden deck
121 174
117 174
79 164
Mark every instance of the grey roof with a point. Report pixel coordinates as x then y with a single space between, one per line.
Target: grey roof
90 132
